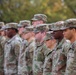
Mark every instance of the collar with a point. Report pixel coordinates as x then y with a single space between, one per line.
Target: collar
13 38
59 44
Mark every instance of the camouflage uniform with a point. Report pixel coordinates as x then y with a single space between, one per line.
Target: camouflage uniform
50 60
59 58
71 60
21 61
2 42
24 24
39 53
11 52
38 60
71 55
47 68
29 57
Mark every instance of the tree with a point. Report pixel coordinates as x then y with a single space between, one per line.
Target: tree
16 10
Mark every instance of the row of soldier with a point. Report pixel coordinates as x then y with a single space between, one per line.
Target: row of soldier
38 49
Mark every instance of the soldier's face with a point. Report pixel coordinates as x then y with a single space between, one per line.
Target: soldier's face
26 36
22 35
10 32
68 33
2 33
50 43
37 22
20 29
38 37
43 36
57 34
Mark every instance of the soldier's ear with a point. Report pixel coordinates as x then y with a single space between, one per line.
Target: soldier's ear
74 30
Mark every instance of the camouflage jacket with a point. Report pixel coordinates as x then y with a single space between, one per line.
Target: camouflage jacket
11 54
59 58
47 68
2 42
38 60
28 58
21 60
71 60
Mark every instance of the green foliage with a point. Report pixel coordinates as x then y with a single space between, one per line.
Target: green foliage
16 10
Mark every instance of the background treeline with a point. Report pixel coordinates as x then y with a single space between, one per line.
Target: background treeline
16 10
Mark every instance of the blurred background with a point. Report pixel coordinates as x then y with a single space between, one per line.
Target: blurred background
16 10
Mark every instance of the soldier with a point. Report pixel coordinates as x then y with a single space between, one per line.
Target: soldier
21 61
59 58
70 34
39 19
2 40
22 25
11 49
2 28
3 32
50 44
39 52
28 54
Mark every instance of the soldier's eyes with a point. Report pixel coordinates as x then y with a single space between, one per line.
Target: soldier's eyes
8 29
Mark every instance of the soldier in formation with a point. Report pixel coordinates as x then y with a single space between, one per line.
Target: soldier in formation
38 48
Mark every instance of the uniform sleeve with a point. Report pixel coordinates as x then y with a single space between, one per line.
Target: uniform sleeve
17 48
47 67
66 47
71 60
